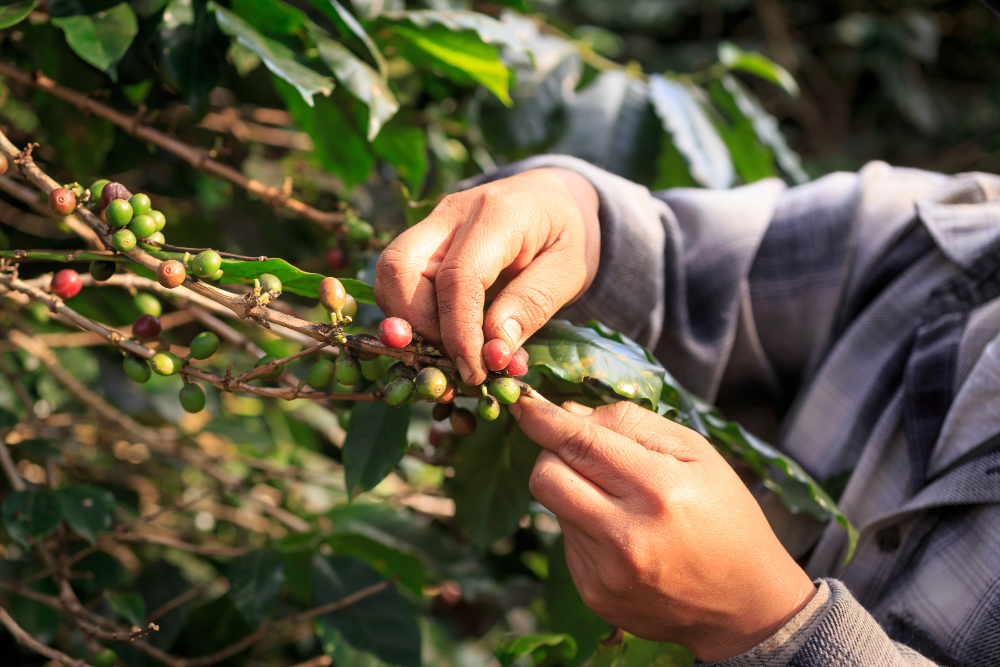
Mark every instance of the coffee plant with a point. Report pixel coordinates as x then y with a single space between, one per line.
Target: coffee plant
214 457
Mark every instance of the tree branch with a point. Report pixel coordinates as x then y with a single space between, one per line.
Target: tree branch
26 640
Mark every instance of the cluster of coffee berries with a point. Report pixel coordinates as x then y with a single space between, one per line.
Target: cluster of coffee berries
131 217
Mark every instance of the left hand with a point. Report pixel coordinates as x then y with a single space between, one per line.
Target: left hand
662 537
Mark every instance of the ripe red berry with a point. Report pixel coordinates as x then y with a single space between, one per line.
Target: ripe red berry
170 273
496 354
62 201
518 366
395 332
113 191
3 164
66 284
146 326
336 258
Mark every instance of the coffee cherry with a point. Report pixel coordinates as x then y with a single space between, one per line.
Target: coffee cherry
146 326
101 271
66 284
365 355
449 393
136 368
113 192
350 308
206 263
148 304
3 164
431 383
96 189
489 408
161 220
507 390
395 332
192 398
371 370
320 374
496 354
462 421
399 370
142 226
123 240
147 243
204 345
166 363
62 201
140 204
105 658
348 370
441 412
218 275
271 375
332 294
398 391
170 273
336 258
435 436
360 232
118 213
518 366
269 283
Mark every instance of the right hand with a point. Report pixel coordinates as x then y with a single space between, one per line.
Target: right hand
534 236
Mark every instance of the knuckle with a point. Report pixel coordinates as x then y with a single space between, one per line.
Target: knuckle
623 416
392 260
575 446
537 304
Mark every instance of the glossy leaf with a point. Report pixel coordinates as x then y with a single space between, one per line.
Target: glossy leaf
13 12
160 583
486 27
33 513
635 652
361 80
101 39
256 580
566 610
389 562
380 624
87 510
734 57
292 279
404 146
510 649
130 606
191 49
271 16
348 25
375 442
751 158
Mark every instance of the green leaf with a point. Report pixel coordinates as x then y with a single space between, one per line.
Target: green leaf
191 49
387 561
489 30
210 628
682 111
13 12
276 56
380 624
348 25
129 606
734 57
405 148
87 510
34 513
159 584
375 443
566 610
576 353
490 486
510 649
256 580
101 39
751 158
271 16
635 652
361 80
292 279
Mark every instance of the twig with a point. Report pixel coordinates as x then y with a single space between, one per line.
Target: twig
162 540
26 640
194 251
228 120
30 197
275 363
172 604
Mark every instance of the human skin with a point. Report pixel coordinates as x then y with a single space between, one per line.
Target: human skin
662 537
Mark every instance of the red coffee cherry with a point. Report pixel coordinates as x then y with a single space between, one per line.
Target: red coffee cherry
336 258
170 273
496 354
3 164
146 326
518 366
66 284
113 191
395 332
62 201
462 421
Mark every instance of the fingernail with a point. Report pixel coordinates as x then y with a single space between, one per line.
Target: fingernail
515 410
464 370
577 409
513 329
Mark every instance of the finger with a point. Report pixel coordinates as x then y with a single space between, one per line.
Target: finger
649 429
613 462
560 489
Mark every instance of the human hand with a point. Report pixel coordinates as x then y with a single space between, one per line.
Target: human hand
662 538
533 237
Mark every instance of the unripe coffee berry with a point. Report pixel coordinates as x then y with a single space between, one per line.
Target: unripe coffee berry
496 354
365 355
269 283
192 398
3 164
462 421
101 271
441 412
114 192
140 204
142 226
118 213
332 294
336 258
350 308
270 375
449 393
204 345
348 370
123 240
400 370
148 304
507 390
395 332
146 326
206 263
161 220
320 375
62 201
431 383
489 408
371 370
518 366
66 284
166 363
147 243
170 273
398 392
105 658
360 232
136 368
96 188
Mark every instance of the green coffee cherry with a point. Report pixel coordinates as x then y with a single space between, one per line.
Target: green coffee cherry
348 370
360 232
96 187
270 376
123 240
118 213
101 271
142 226
105 657
136 368
161 220
371 370
431 383
192 398
489 408
140 204
206 263
218 275
204 345
398 391
507 390
155 237
399 370
350 308
320 375
148 304
269 283
166 363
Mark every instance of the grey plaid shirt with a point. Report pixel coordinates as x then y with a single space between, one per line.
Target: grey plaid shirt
861 313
